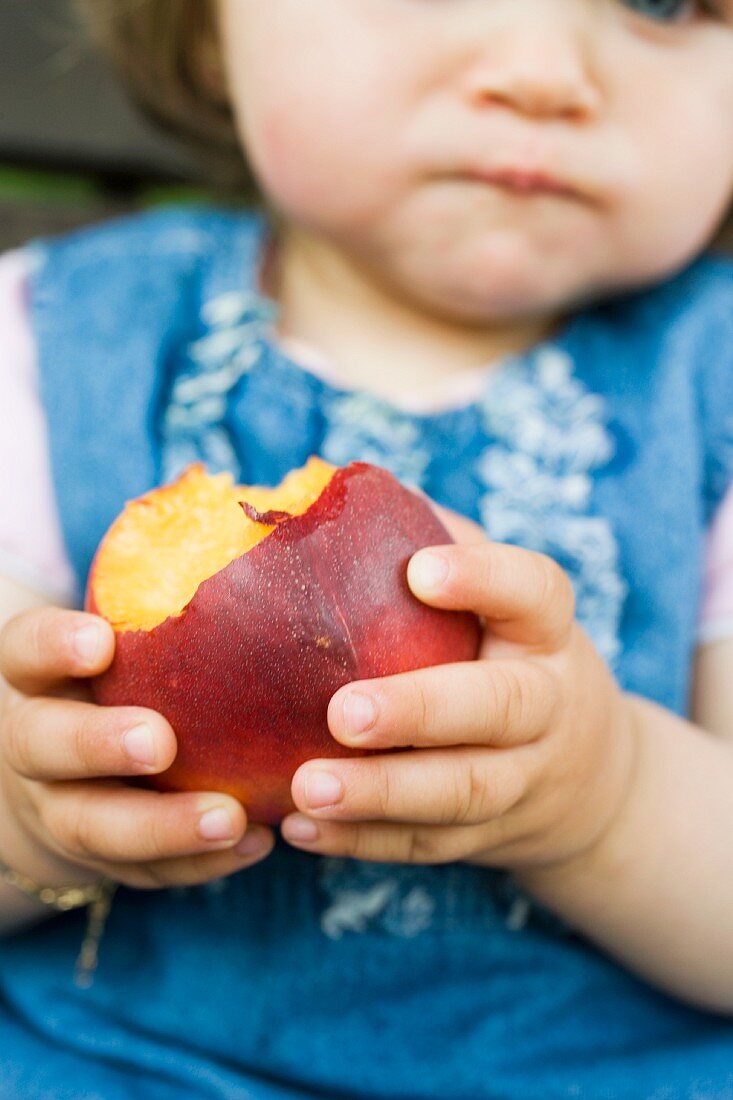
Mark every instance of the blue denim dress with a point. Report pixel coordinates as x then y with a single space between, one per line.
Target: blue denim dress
307 976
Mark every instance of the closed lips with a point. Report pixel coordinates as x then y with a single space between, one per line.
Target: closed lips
524 181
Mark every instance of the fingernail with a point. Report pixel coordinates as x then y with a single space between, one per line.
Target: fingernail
253 841
360 713
429 570
323 789
140 744
216 825
300 828
87 643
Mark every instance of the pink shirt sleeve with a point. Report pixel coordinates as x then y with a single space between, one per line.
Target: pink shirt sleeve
31 545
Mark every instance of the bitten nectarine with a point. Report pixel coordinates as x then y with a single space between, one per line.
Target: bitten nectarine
238 612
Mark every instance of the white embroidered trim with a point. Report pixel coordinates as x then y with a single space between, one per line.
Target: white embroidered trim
351 910
193 427
364 895
549 435
362 427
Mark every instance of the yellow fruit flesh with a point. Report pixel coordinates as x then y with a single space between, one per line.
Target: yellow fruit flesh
167 542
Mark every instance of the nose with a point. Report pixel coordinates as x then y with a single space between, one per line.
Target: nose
541 70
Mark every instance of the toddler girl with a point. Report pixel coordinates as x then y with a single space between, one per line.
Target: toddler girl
477 262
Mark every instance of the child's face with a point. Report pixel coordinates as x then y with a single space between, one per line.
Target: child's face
605 128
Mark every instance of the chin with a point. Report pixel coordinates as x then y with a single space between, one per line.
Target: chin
495 278
493 297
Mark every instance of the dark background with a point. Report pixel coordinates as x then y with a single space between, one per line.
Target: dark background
71 150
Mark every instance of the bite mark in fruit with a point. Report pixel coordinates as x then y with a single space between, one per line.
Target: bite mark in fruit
239 611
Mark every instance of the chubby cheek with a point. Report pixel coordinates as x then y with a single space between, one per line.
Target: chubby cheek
310 163
322 92
683 190
326 152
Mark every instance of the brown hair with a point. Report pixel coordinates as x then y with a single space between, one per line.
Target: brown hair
166 52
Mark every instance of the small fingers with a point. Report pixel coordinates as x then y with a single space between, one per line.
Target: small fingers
57 739
111 821
498 703
526 597
383 842
256 844
39 649
459 786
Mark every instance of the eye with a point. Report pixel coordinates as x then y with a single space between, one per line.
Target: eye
665 11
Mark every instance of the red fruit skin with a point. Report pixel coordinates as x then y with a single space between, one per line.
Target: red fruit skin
245 672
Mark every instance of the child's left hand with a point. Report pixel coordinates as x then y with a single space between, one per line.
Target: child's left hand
519 759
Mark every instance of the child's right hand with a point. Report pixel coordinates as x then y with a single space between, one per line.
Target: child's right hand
66 814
